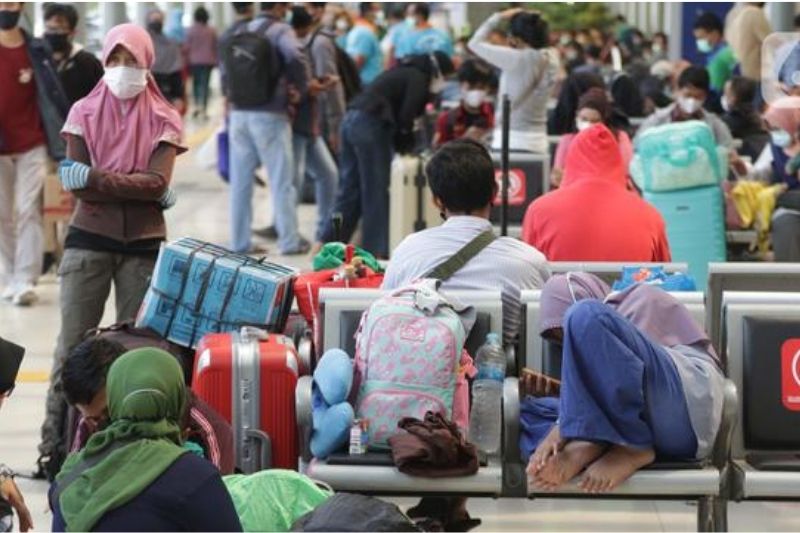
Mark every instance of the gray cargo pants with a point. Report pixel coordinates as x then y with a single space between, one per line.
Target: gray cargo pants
86 277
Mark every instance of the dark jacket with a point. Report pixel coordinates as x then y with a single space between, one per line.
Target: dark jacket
123 207
188 496
79 73
53 102
397 97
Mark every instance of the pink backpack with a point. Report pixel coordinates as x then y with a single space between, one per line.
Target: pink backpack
410 359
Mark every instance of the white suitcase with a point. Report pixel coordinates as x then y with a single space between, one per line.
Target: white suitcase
411 206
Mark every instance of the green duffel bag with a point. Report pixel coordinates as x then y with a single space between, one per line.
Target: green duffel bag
272 500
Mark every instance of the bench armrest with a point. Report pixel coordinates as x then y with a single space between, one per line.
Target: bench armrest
302 402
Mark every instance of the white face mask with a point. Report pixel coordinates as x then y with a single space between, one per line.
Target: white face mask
474 97
437 84
411 22
125 82
583 124
342 25
724 103
689 105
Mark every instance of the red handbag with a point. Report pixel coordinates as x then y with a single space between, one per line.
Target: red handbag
308 285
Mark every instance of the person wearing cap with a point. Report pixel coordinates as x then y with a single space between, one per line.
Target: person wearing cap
10 496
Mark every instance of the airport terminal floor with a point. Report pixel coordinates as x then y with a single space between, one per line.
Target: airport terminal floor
202 213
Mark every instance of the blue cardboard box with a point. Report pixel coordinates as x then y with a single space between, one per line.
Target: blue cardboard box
199 288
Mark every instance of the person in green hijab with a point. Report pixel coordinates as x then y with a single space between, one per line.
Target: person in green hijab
135 475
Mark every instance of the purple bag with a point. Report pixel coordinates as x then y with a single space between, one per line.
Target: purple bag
223 161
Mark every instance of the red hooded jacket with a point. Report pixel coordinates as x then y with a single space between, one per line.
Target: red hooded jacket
593 216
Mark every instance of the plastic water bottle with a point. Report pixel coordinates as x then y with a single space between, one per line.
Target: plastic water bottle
485 421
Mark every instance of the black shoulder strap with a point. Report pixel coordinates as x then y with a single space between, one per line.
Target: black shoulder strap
446 270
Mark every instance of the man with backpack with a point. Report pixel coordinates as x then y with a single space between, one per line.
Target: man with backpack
265 71
311 154
461 178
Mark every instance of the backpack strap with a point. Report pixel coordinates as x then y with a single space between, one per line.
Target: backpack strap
445 270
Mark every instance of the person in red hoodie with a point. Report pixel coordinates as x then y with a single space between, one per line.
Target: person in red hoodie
593 216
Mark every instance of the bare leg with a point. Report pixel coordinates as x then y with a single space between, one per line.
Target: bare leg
567 464
613 468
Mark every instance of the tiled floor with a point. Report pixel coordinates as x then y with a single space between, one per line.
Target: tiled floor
202 212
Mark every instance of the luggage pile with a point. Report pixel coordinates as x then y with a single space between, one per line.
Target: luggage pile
679 168
200 288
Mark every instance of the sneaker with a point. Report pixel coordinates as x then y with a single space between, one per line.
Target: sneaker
266 233
9 292
303 247
258 250
25 296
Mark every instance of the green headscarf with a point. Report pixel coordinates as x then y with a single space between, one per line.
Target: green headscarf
146 400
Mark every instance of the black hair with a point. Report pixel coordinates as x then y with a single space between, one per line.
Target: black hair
201 15
745 90
461 175
70 14
661 34
85 370
242 7
397 12
422 9
301 18
708 21
530 28
364 8
475 71
269 6
594 51
694 76
797 21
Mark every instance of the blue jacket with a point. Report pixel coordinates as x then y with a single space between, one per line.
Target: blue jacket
53 102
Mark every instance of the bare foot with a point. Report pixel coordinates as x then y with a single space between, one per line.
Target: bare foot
567 464
551 445
613 468
538 385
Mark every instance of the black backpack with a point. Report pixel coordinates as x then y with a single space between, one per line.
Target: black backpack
252 66
345 66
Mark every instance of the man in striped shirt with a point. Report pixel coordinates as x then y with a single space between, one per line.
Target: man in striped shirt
461 178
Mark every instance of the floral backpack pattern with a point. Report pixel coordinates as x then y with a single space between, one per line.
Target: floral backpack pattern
408 360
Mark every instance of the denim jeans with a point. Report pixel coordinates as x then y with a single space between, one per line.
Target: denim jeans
262 138
365 166
312 158
201 78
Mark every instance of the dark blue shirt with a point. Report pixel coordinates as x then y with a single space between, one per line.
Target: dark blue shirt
188 496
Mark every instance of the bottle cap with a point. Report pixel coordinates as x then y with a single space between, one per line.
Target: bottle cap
493 338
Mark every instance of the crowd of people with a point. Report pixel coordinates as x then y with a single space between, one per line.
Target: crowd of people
313 91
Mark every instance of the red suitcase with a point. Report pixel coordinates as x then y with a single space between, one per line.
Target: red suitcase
249 378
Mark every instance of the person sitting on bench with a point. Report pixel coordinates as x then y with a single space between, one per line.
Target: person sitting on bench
640 381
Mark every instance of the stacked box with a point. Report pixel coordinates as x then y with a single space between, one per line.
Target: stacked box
200 288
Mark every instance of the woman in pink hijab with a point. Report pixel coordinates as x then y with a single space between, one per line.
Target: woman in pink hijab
639 381
122 140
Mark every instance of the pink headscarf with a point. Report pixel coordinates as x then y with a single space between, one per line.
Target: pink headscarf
784 113
121 135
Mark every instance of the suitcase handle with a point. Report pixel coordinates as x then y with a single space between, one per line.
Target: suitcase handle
264 447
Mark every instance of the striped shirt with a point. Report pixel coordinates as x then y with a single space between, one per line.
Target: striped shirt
507 265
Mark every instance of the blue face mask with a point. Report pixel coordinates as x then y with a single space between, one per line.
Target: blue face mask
780 138
703 46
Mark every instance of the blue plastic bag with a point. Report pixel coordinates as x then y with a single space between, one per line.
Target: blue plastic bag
675 282
223 162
